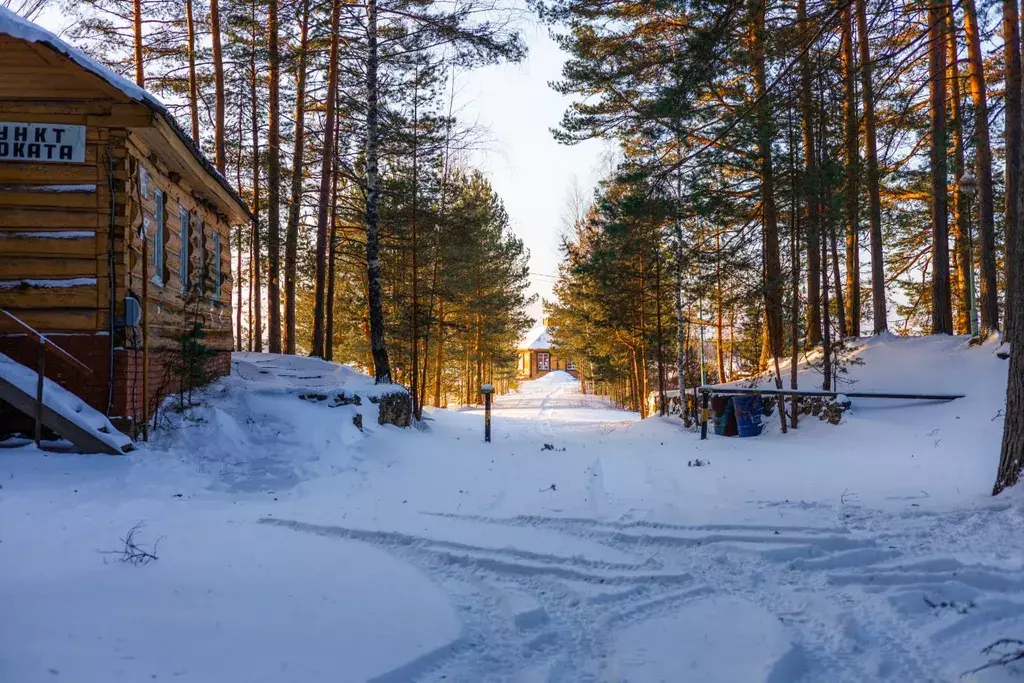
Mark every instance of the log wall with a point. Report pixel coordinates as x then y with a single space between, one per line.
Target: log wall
69 232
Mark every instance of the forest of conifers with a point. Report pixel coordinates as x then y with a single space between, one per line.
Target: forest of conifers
789 174
374 242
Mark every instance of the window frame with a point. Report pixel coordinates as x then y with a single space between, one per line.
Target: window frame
144 182
201 280
184 256
215 291
159 258
544 361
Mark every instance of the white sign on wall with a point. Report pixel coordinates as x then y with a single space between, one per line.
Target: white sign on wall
48 142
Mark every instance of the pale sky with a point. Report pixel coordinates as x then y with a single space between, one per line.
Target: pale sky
531 172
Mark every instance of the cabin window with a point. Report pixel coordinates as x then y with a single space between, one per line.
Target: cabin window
185 237
158 240
570 366
216 267
201 253
143 183
543 361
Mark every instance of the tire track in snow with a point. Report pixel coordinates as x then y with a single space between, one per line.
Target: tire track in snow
835 645
579 625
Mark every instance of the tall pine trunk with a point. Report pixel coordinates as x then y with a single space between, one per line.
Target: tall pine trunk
833 241
867 87
256 286
333 252
435 278
239 231
219 149
140 71
415 346
772 261
961 205
381 365
677 285
989 297
326 166
1011 224
1011 458
852 174
942 311
291 240
809 182
719 333
440 356
274 183
193 86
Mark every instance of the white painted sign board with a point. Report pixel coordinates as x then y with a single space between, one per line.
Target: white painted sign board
59 143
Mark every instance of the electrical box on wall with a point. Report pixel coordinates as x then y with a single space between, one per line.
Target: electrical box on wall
132 312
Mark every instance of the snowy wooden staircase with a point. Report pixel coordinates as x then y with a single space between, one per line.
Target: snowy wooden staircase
83 437
51 405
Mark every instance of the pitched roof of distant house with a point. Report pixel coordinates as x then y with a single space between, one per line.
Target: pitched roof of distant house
16 26
537 339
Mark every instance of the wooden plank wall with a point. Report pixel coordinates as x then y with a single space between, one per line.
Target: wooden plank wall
55 218
168 317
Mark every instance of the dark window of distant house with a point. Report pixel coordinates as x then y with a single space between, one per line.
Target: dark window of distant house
543 361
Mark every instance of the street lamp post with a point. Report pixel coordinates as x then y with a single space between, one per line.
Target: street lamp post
969 188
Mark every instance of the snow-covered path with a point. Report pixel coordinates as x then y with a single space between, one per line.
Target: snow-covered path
579 546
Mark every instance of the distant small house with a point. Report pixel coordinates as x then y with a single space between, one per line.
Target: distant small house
536 357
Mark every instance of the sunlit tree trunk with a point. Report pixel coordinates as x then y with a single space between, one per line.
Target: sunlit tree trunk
274 184
878 304
256 288
810 181
326 166
140 71
291 245
772 263
962 254
381 364
332 255
988 302
1011 457
240 232
942 312
852 174
439 363
1012 221
414 219
193 86
719 336
219 149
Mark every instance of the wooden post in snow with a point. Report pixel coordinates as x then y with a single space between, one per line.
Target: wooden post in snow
39 391
487 390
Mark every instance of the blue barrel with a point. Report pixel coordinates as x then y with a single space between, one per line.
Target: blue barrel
749 410
721 410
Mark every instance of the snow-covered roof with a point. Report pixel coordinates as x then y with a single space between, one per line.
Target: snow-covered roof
537 339
11 24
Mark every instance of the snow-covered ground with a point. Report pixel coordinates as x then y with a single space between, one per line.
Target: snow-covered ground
578 546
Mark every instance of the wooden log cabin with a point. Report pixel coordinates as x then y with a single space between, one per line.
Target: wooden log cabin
105 204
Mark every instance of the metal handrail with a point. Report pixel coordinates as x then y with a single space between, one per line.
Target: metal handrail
708 389
43 339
